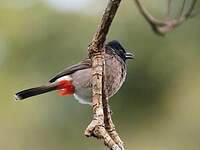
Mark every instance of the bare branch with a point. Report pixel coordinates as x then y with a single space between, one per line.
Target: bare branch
99 94
169 2
181 11
100 35
110 127
189 13
102 125
163 27
147 15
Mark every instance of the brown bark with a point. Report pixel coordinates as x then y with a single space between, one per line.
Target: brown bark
99 38
100 102
102 125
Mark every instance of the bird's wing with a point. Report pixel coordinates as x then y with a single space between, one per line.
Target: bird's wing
82 65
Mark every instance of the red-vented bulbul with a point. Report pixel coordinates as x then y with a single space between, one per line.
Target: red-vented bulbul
77 79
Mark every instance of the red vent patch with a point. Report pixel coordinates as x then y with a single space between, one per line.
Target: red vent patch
65 88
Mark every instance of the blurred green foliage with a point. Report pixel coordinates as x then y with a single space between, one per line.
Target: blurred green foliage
157 108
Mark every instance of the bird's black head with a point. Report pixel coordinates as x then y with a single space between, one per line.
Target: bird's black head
119 50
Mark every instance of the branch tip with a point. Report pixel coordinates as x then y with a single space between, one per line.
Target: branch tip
163 27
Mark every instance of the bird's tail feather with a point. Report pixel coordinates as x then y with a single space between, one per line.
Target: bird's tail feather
35 91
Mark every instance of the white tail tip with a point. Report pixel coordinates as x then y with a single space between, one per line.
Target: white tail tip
17 97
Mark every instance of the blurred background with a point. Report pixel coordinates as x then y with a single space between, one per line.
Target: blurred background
158 108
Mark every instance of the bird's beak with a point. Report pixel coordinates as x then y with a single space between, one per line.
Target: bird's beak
130 56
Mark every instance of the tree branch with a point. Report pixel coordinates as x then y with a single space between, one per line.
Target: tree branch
169 2
163 27
99 97
102 125
100 35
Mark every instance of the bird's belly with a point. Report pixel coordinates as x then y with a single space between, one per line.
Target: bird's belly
83 86
115 76
83 95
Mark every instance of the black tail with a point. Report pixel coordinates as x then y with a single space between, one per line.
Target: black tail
35 91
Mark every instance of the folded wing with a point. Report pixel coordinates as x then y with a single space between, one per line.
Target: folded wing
85 64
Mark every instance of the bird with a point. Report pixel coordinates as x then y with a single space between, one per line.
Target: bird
77 79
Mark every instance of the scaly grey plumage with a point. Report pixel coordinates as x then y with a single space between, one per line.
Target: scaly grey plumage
81 75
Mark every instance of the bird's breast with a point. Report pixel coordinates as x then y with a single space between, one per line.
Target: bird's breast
115 73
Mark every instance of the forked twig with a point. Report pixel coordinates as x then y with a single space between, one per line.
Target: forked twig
163 27
102 125
182 10
98 126
109 125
